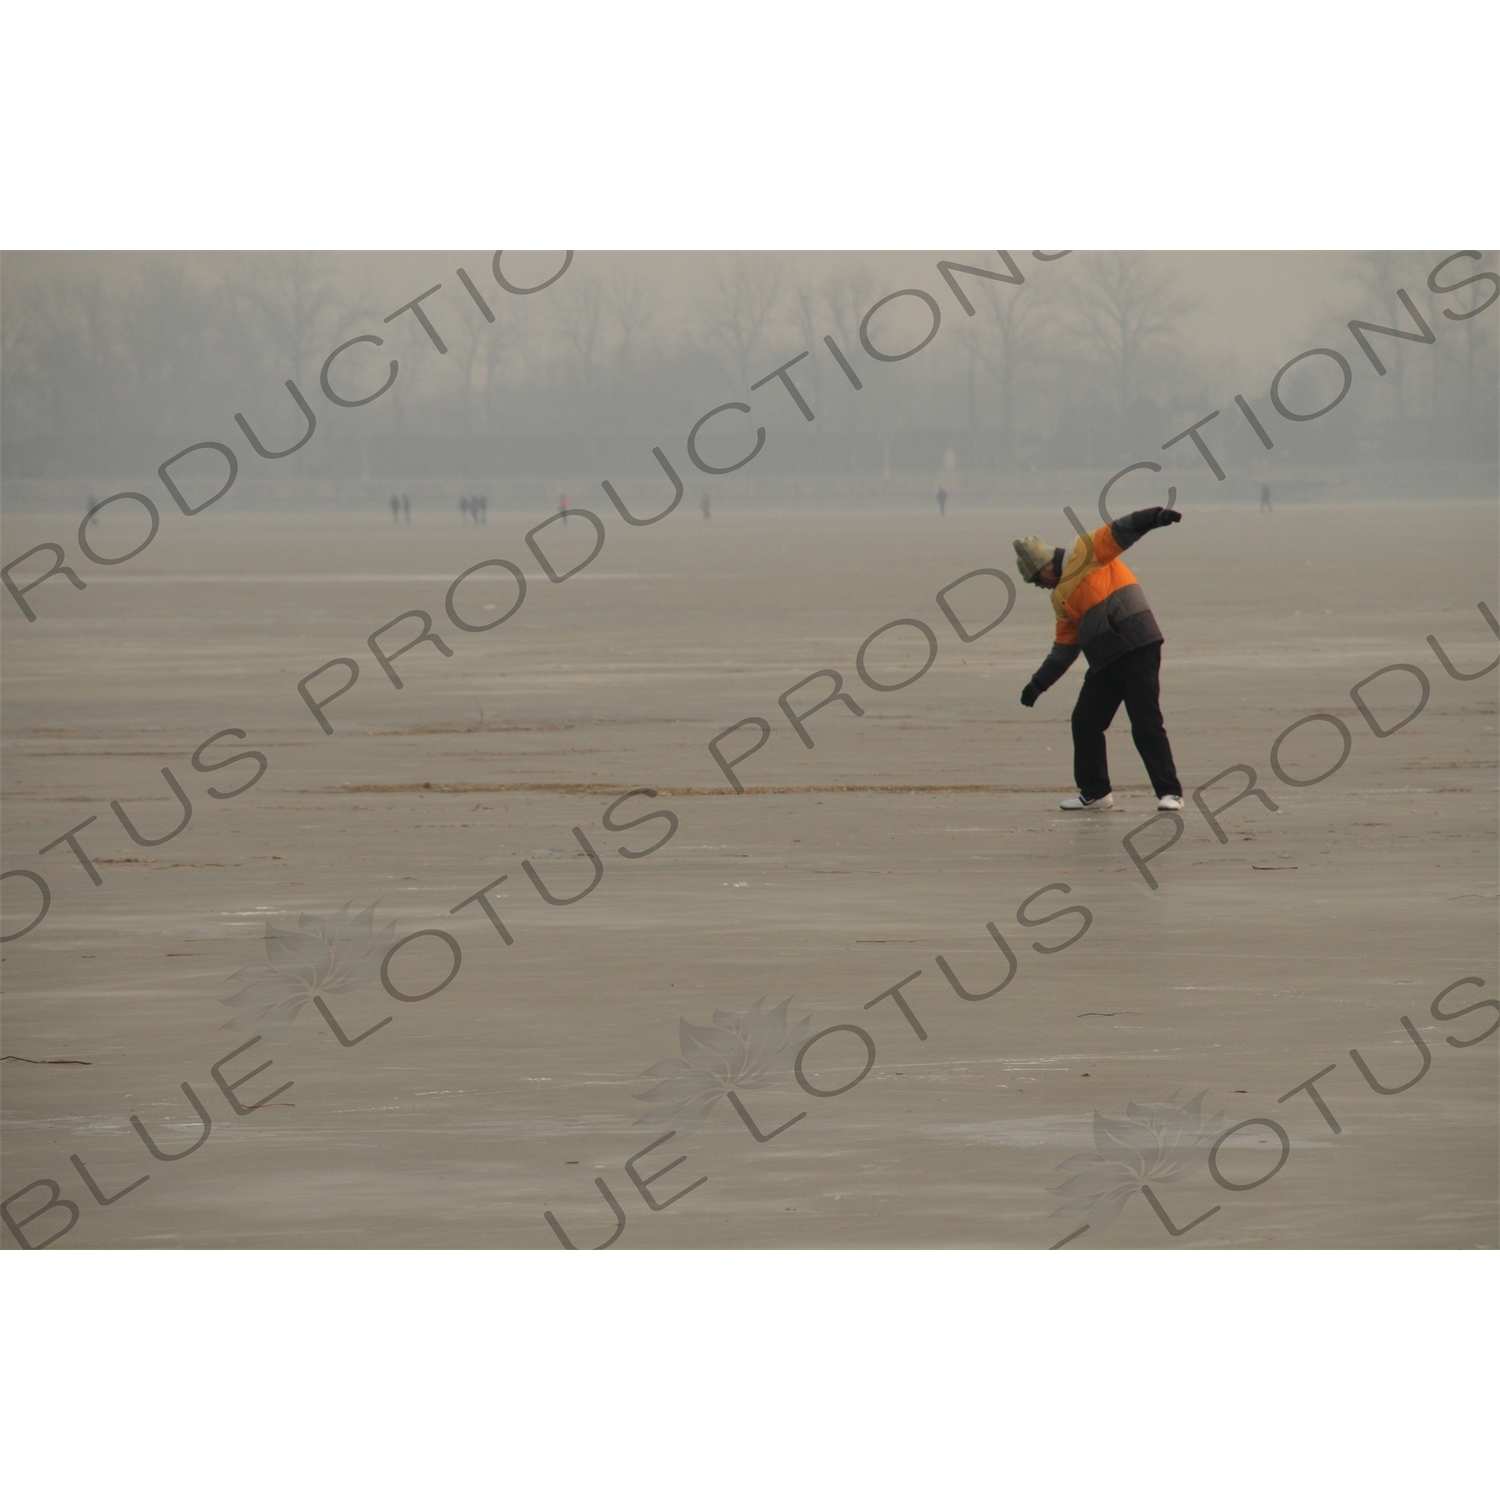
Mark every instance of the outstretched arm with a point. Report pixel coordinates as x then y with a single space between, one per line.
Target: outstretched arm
1059 659
1128 530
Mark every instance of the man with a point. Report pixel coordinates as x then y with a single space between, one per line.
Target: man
1102 611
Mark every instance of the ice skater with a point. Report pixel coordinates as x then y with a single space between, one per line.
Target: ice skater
1102 611
562 509
942 500
1265 499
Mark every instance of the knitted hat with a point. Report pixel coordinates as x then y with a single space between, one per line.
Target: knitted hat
1032 555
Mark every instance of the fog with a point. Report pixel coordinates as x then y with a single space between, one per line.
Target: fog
1076 365
252 698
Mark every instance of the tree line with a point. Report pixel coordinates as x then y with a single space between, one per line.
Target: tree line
1074 369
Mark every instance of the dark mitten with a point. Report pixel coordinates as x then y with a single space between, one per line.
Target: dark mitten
1139 522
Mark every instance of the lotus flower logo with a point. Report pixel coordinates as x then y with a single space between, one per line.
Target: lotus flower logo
323 957
1155 1143
749 1049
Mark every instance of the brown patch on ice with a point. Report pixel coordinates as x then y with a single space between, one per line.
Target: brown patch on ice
615 789
497 727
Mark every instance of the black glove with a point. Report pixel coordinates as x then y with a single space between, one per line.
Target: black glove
1139 522
1029 695
1152 517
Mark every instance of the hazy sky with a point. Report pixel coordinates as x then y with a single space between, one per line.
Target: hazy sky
1252 305
1259 303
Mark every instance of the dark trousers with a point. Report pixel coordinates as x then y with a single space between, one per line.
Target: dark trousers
1132 679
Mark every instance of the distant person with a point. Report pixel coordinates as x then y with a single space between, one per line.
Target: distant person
1265 497
942 499
406 508
396 509
562 509
1102 611
707 513
463 506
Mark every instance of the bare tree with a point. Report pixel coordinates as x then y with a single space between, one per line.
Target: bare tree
577 309
472 346
632 308
294 303
741 309
62 367
1125 314
809 332
1380 277
466 387
31 375
170 335
848 297
1008 339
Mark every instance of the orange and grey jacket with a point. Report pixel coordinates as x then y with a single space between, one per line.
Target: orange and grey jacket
1101 610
